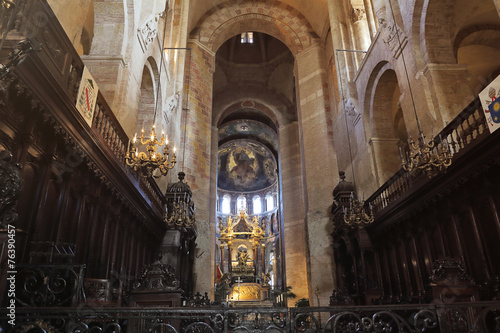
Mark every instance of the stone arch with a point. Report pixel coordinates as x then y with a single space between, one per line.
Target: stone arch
477 47
233 17
150 96
271 114
384 123
439 35
435 42
250 100
436 39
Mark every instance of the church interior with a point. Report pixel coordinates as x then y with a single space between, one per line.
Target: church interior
295 165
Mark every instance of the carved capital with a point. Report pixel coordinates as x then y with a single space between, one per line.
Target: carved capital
358 14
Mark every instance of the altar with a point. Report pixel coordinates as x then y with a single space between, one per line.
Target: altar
245 292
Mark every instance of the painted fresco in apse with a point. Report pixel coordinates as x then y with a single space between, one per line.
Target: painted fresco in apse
245 165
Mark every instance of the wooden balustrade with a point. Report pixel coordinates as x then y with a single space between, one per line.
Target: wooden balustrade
461 134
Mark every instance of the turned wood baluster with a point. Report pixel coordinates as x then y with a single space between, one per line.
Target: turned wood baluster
97 115
104 128
114 143
111 137
109 128
101 120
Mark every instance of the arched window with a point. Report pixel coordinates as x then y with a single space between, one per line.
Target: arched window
269 202
241 204
226 204
257 204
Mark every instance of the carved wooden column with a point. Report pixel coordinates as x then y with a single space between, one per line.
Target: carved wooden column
404 267
93 237
479 242
417 268
106 239
229 259
388 281
255 260
222 257
263 256
41 230
133 248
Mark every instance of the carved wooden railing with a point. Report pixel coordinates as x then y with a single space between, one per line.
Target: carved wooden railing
110 130
463 133
59 61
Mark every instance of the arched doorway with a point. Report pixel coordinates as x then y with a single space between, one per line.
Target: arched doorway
253 95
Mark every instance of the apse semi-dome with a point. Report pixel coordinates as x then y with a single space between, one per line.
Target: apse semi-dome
245 165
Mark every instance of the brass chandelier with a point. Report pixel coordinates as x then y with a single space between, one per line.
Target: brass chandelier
150 161
356 215
426 157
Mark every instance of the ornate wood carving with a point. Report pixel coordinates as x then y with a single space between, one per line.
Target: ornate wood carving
11 185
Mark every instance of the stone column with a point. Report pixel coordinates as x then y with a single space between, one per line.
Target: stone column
106 60
197 161
386 158
361 29
451 93
292 199
318 169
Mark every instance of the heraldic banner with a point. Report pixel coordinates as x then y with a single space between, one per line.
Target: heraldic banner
490 101
87 96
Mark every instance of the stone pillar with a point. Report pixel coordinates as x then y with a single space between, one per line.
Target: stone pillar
318 169
106 59
197 161
386 158
292 200
452 94
361 29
